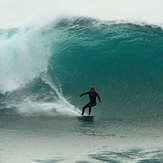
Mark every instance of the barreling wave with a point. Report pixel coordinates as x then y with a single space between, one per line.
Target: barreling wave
43 69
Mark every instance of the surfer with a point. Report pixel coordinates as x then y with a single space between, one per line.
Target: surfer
92 96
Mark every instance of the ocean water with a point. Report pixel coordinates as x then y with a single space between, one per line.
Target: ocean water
51 52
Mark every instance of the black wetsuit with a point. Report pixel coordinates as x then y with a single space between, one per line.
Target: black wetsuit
92 97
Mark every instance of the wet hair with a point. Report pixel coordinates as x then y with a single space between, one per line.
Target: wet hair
92 88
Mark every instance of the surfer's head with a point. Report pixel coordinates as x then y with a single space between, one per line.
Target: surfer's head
93 88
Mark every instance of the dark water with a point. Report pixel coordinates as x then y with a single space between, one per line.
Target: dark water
44 69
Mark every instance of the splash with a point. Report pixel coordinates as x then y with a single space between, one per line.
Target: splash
23 57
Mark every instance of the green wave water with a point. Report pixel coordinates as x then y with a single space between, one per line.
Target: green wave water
53 64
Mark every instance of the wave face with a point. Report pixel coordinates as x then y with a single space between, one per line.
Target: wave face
43 69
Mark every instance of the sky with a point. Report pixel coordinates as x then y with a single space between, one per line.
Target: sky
16 13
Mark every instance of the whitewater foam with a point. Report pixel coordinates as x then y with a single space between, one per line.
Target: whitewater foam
23 57
58 108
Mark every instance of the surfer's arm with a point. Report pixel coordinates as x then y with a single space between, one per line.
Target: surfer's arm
83 94
99 100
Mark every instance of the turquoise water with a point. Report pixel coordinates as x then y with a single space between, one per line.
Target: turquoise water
44 69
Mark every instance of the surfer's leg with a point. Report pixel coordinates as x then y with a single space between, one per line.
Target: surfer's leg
83 111
87 105
89 111
91 105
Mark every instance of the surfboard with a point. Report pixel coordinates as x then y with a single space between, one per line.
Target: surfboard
86 117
